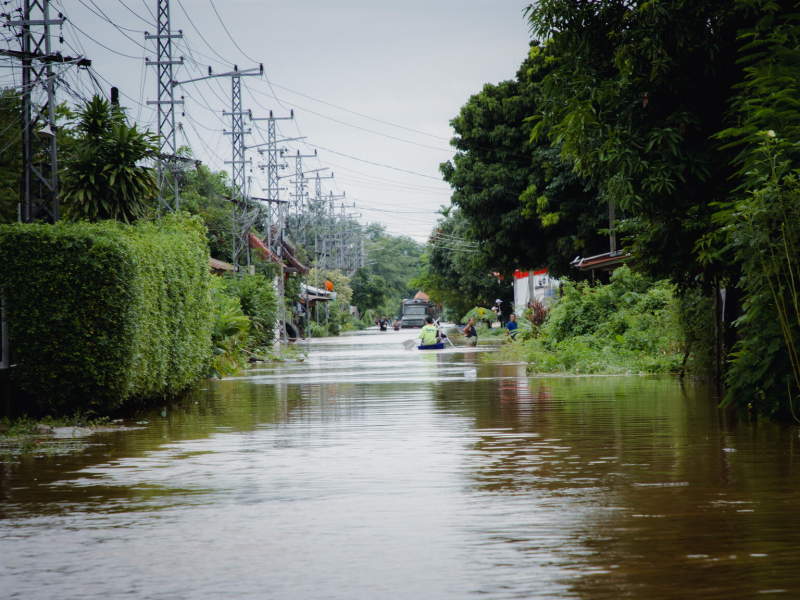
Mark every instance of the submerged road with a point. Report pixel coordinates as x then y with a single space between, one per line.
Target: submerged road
372 472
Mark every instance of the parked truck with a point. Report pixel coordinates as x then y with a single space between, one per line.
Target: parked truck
414 312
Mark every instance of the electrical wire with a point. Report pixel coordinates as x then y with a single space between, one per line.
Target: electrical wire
391 137
369 162
135 14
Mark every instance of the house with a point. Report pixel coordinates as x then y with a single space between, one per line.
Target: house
601 263
533 285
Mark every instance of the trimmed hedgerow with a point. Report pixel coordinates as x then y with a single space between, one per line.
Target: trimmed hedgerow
103 314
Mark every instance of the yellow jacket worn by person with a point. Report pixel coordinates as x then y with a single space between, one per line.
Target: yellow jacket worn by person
429 335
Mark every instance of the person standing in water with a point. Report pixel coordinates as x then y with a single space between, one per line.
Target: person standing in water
471 333
511 328
384 323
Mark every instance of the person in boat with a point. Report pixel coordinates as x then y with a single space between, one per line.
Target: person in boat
429 334
384 323
471 333
511 328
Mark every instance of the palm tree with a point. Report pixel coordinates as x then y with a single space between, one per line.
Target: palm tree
103 179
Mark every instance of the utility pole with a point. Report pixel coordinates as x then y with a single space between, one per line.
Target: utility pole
241 219
299 187
272 151
39 150
167 147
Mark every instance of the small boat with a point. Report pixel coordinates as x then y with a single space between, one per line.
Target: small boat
439 346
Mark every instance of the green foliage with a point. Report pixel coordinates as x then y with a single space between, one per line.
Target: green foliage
397 260
633 97
101 179
205 193
627 326
258 301
104 314
369 291
11 143
696 314
229 333
481 315
317 330
762 230
341 284
451 274
517 197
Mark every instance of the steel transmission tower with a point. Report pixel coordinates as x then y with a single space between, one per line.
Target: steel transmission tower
242 219
272 152
167 190
39 156
237 163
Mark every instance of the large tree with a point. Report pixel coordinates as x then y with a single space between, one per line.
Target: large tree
451 273
633 98
517 196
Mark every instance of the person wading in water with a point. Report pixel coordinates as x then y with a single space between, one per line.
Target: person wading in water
511 328
384 323
471 333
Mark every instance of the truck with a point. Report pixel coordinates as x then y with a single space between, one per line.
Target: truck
414 312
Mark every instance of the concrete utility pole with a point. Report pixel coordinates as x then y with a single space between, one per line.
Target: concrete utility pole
167 147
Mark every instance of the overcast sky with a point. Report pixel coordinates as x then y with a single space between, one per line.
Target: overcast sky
411 64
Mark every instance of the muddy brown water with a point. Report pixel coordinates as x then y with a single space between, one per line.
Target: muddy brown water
372 472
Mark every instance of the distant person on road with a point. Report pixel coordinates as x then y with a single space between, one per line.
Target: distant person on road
430 333
471 333
383 323
498 310
511 328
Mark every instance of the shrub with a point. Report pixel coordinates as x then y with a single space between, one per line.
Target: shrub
258 300
229 333
480 314
627 326
105 313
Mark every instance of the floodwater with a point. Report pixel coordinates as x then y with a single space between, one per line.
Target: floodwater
372 472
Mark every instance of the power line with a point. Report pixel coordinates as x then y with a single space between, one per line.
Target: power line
71 24
229 33
438 137
185 12
369 162
386 135
135 14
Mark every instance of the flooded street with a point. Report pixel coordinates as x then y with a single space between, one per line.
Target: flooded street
371 472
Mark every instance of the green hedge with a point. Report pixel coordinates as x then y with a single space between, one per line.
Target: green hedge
102 314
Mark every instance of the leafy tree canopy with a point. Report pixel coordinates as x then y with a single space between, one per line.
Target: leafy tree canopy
516 195
634 95
450 274
102 177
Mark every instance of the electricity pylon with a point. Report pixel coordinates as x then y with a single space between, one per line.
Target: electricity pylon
242 218
167 146
39 150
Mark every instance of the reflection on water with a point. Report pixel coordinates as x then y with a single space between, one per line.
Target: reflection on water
372 472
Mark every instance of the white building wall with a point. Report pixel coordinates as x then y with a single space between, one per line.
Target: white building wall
539 287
